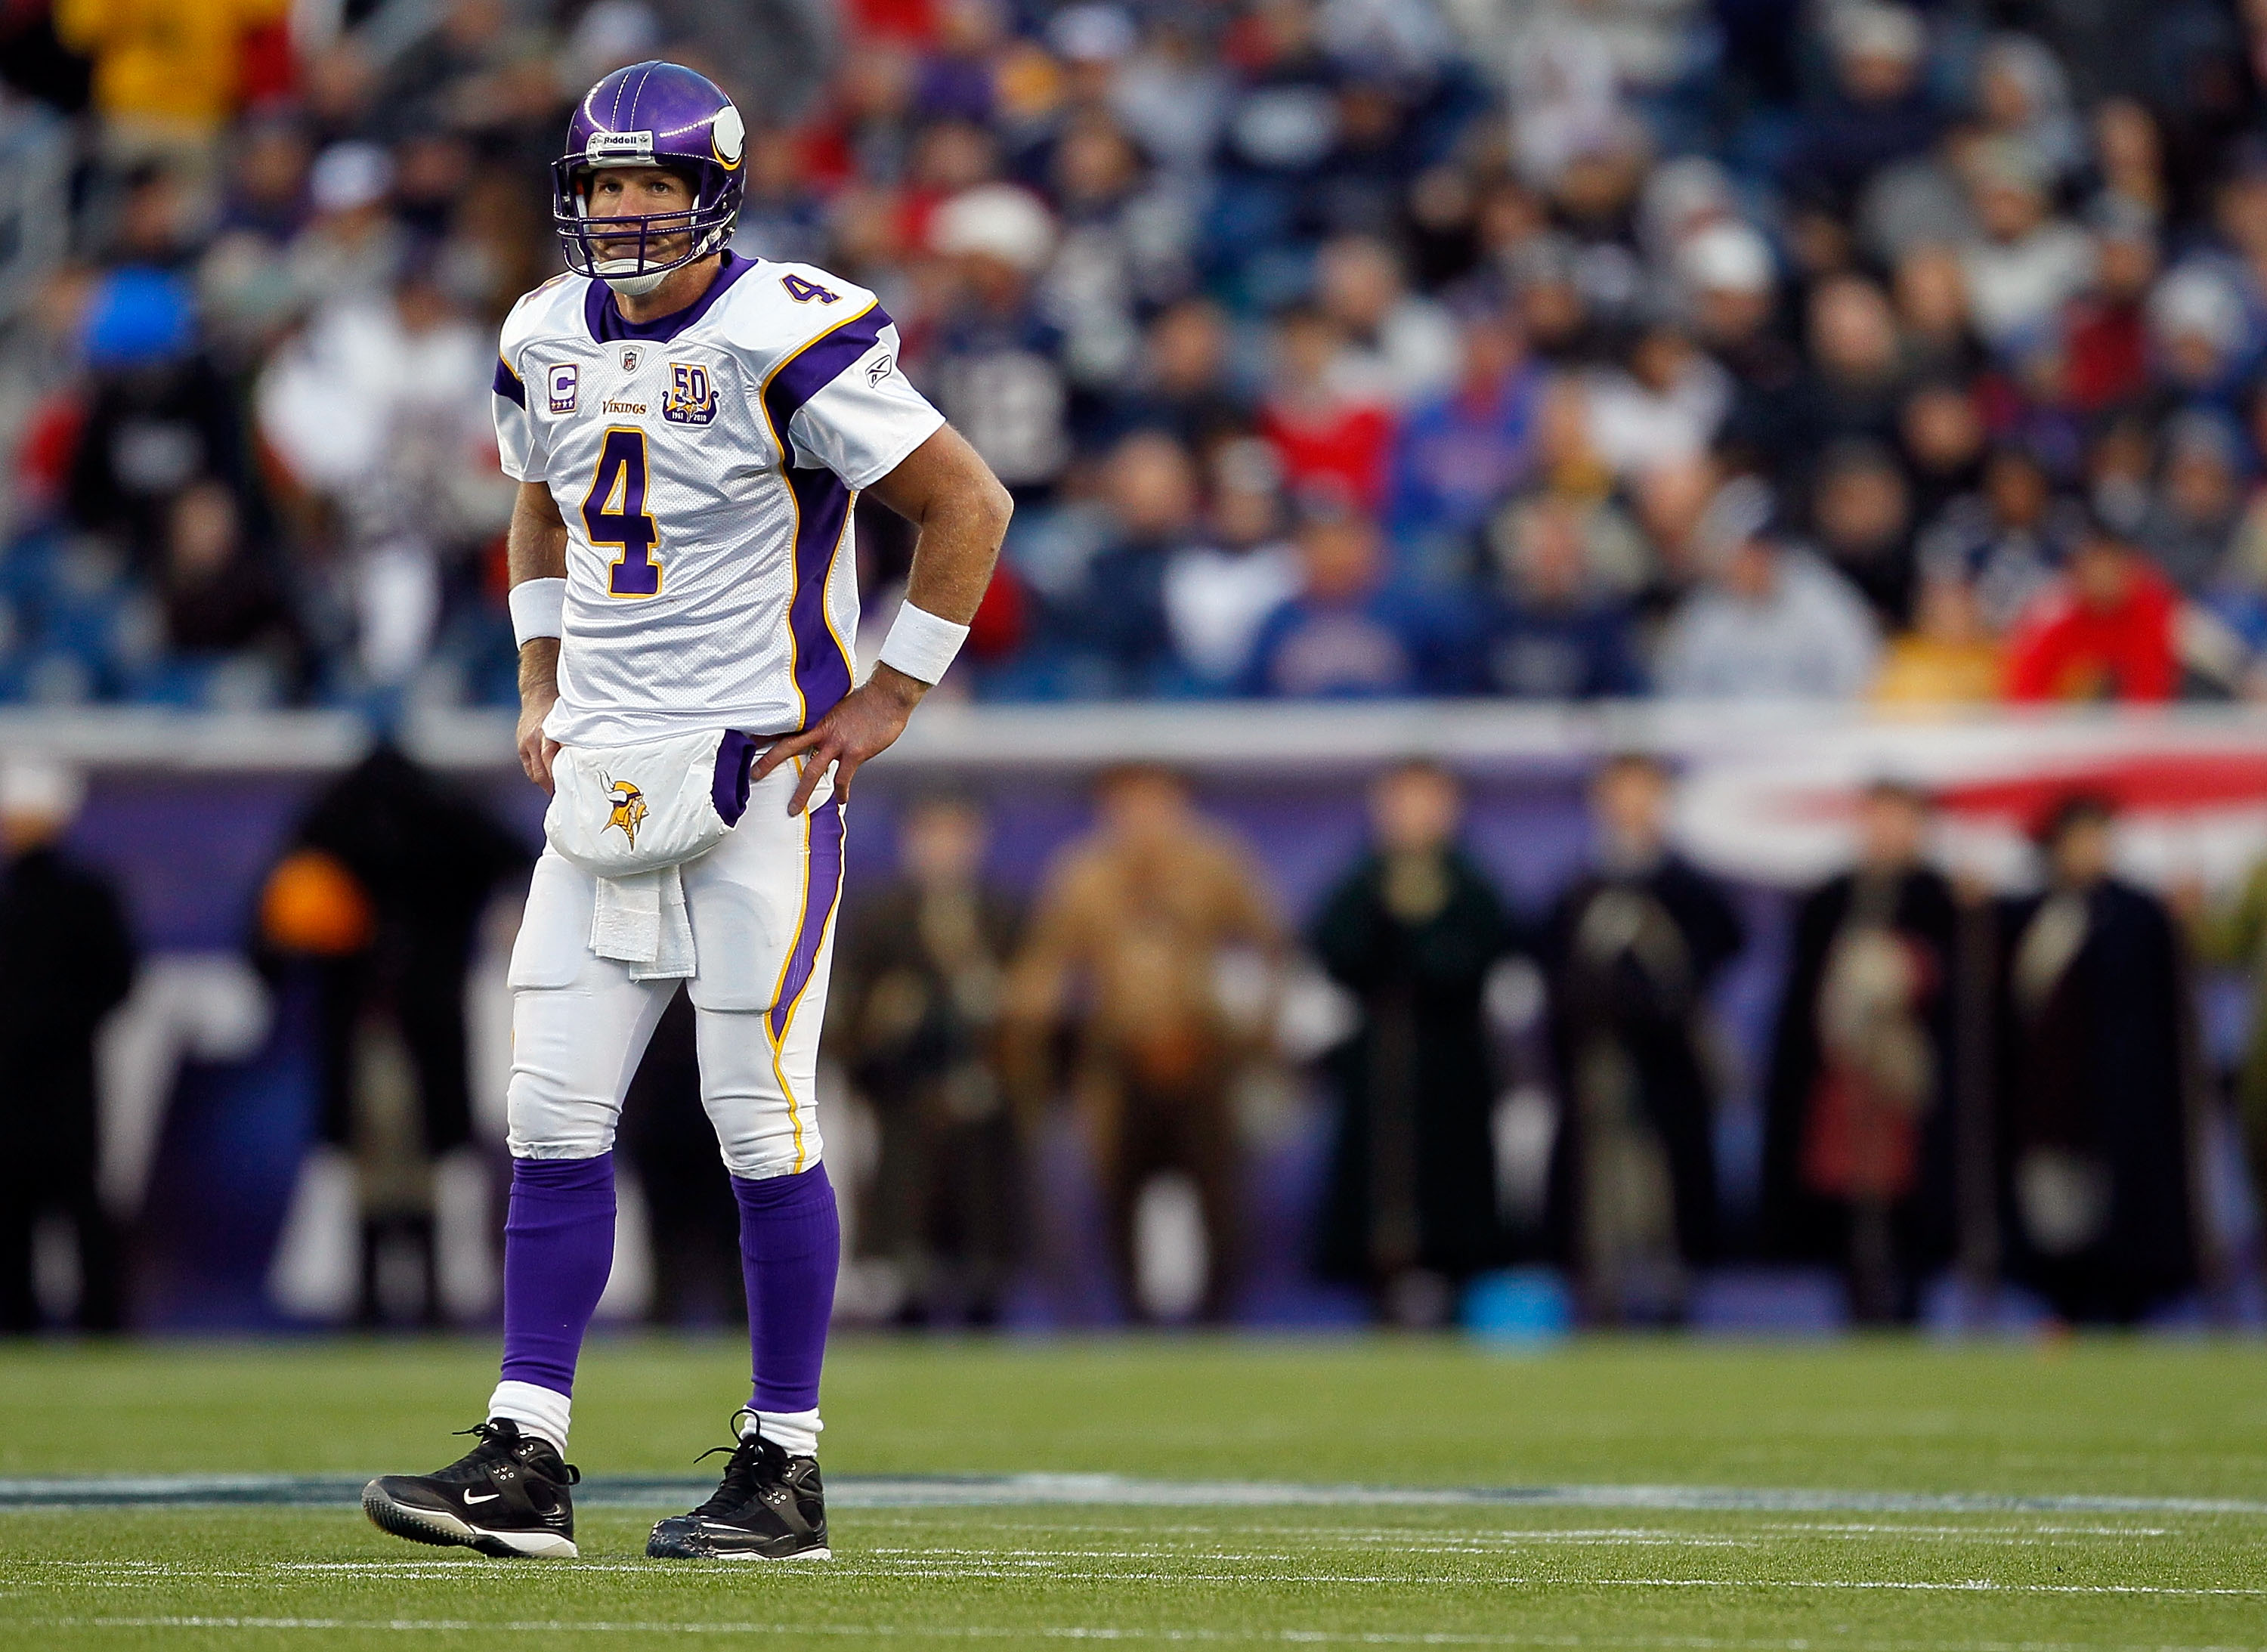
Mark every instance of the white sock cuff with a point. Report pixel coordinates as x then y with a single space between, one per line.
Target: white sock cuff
540 1411
794 1432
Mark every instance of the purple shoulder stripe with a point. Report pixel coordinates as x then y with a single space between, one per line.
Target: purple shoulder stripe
507 383
817 364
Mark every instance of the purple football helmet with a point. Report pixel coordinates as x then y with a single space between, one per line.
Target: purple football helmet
649 114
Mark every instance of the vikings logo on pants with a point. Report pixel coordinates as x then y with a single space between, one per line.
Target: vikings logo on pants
629 808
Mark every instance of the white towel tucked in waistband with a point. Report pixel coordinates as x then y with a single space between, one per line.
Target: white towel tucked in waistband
631 816
640 921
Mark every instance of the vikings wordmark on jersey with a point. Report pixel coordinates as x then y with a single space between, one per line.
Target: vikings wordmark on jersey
706 464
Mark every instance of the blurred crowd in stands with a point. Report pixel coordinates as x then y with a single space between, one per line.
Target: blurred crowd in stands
1538 348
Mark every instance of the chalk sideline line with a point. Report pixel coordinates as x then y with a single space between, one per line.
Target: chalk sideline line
914 1491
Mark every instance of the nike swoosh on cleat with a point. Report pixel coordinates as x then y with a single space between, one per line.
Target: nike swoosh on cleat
475 1497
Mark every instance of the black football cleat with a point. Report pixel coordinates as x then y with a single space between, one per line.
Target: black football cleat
508 1496
770 1507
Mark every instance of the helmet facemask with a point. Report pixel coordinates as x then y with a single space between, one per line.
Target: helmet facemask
623 251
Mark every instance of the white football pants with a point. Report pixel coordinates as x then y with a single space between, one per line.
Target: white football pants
762 905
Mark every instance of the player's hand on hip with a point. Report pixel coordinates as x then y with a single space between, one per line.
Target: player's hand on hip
537 749
863 724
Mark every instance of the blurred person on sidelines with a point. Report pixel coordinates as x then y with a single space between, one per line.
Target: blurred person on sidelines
1145 945
2231 934
2097 1077
1411 929
66 962
378 897
922 965
1773 622
1630 948
1858 1140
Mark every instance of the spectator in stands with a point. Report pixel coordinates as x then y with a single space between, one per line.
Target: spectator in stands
1411 930
159 415
1860 511
1181 382
1459 454
1882 111
168 74
372 412
2192 517
1125 951
2095 1080
2028 264
916 1011
1948 658
2007 541
1857 378
1327 435
1630 948
67 960
1398 349
1663 406
2101 631
1218 591
1858 1132
1119 611
1351 632
224 598
1771 621
1557 623
995 368
1941 437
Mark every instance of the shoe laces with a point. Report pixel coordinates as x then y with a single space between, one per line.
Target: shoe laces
501 1445
746 1474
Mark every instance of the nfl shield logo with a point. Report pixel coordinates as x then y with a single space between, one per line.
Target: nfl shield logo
630 359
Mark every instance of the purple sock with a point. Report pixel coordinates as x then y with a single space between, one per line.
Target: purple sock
790 1245
558 1249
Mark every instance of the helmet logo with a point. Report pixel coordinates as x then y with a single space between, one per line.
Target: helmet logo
728 137
618 149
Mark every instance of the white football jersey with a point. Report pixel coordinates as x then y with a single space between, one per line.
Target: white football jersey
706 464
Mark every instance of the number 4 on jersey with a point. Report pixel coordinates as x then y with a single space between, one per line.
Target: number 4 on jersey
615 514
803 291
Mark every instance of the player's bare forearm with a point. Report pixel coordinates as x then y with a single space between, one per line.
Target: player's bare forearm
535 547
950 496
947 491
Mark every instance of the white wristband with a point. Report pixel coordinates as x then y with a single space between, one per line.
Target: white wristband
538 608
922 645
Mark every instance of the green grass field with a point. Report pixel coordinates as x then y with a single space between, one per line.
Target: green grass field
2074 1495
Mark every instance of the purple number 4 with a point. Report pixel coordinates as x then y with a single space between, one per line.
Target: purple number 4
621 476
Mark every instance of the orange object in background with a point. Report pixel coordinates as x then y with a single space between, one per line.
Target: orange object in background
313 904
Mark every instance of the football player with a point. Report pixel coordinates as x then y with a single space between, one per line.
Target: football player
689 430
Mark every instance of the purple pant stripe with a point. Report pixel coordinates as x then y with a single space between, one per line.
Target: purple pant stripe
822 882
